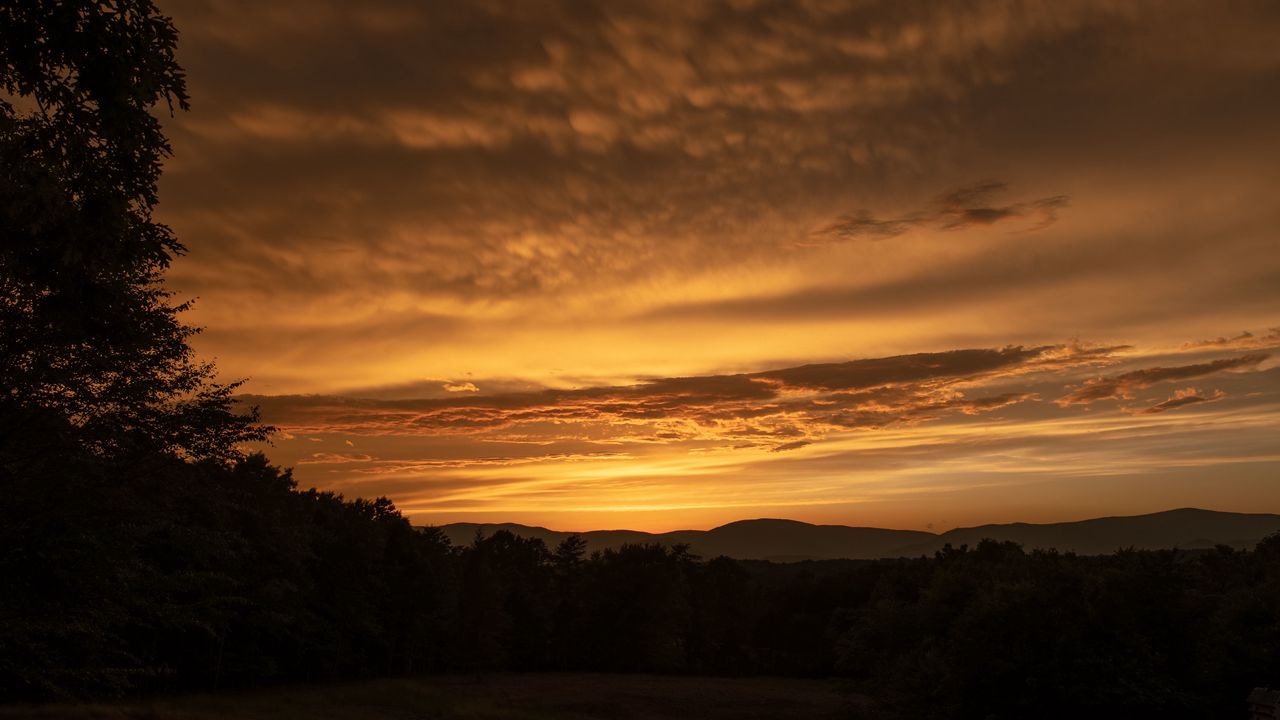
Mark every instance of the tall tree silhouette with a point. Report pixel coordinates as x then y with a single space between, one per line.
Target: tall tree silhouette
89 337
104 410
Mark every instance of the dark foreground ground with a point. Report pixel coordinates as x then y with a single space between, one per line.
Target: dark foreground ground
522 697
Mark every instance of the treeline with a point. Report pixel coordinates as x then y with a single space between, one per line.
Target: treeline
167 576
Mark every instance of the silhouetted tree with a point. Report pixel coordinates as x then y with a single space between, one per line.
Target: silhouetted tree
568 641
504 603
102 403
723 617
639 615
88 335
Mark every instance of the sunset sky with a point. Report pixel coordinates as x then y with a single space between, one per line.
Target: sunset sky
664 265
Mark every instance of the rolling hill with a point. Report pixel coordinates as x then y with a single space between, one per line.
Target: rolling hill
789 540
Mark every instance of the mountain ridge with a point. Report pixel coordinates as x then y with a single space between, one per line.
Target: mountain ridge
781 539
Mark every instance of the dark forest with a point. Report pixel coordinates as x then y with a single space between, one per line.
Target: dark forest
180 576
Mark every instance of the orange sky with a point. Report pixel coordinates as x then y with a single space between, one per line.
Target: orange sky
670 264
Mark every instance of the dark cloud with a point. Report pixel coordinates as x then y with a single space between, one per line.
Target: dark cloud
1122 386
859 374
439 130
783 408
972 206
1182 398
1245 339
603 124
959 209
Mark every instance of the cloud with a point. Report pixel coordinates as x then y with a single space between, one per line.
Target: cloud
780 408
330 458
1182 398
863 225
606 127
1123 386
397 467
858 374
971 206
460 387
1244 340
962 208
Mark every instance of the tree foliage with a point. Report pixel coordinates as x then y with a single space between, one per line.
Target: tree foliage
88 335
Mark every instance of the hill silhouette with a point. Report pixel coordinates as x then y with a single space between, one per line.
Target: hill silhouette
791 540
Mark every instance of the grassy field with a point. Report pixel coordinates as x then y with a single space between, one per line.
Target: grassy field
522 697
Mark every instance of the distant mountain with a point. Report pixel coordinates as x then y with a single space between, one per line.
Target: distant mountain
786 540
1186 528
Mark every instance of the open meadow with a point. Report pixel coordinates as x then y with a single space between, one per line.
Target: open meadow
533 696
